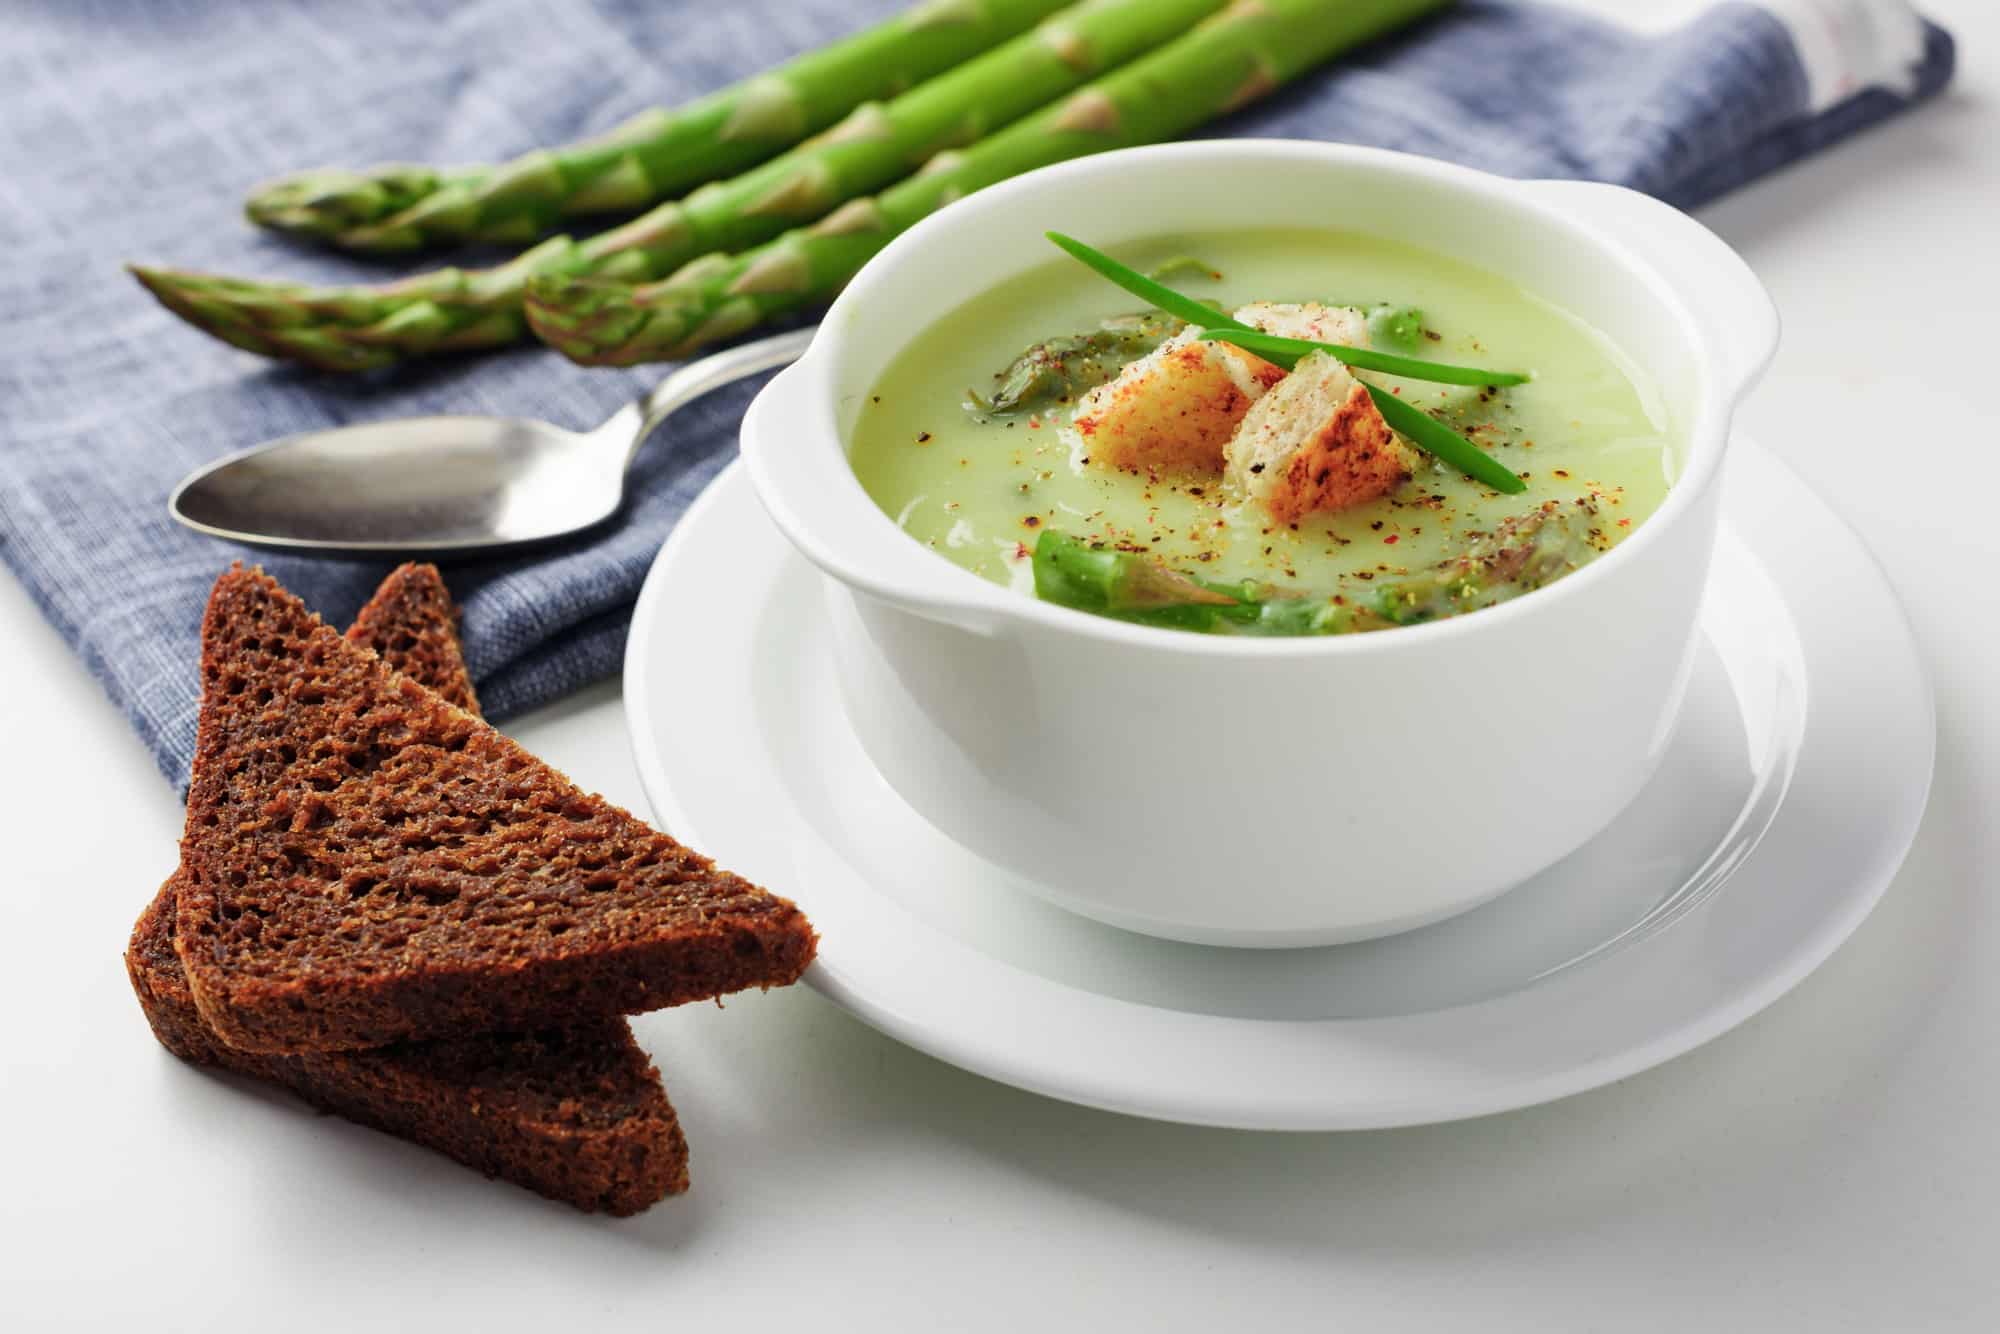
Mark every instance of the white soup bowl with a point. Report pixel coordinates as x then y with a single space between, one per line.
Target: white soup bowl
1271 792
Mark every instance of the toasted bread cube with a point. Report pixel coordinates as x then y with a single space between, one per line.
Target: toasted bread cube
1310 320
1174 409
1315 442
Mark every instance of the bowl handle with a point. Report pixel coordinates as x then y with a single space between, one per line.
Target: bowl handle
801 476
1738 321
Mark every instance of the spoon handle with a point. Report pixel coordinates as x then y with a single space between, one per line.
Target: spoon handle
712 372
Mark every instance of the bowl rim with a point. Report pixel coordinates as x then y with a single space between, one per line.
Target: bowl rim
809 385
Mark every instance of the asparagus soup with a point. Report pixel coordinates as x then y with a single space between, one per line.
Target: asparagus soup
1263 444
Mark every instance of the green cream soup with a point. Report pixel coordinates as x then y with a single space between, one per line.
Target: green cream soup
987 488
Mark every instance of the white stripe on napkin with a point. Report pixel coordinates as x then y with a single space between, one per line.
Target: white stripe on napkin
1848 45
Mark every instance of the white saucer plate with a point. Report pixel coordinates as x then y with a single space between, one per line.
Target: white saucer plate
1790 793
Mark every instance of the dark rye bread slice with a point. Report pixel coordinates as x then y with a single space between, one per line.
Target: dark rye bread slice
577 1115
367 864
412 624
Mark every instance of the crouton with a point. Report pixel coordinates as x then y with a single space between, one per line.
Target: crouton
1309 320
1315 442
1174 409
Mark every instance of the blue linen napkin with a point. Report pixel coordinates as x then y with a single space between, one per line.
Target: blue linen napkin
133 128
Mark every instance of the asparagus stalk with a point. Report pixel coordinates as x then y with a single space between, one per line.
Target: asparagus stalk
361 327
656 155
1231 59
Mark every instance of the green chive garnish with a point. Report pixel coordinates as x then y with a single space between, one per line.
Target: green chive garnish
1428 433
1419 427
1271 347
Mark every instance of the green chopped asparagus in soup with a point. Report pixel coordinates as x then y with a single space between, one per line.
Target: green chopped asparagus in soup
1056 436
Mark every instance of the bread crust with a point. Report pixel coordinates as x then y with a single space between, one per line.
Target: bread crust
412 624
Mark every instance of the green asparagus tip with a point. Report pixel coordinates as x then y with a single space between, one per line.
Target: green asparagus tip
593 322
170 288
326 203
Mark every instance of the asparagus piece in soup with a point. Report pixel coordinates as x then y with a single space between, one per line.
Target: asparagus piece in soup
1397 328
1522 554
1059 369
1132 586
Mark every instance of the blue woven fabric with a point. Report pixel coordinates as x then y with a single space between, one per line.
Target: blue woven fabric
132 129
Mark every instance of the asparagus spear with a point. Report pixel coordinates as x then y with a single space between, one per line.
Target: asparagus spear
360 327
1521 554
1232 58
1132 586
656 155
1068 364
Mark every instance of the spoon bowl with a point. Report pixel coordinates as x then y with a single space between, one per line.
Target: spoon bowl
439 483
447 484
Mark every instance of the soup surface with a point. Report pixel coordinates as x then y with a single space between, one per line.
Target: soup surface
982 487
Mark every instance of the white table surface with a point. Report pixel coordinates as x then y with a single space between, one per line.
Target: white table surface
1832 1165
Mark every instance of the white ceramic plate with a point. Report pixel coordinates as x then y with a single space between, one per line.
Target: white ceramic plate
1790 794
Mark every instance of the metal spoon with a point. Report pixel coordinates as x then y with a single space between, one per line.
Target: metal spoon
431 485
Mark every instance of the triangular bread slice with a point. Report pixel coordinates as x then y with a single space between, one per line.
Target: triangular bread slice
575 1114
368 864
412 624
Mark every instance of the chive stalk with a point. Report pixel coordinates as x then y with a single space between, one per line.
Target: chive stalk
1433 436
1285 351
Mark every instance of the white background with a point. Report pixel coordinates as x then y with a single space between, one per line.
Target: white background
1833 1165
